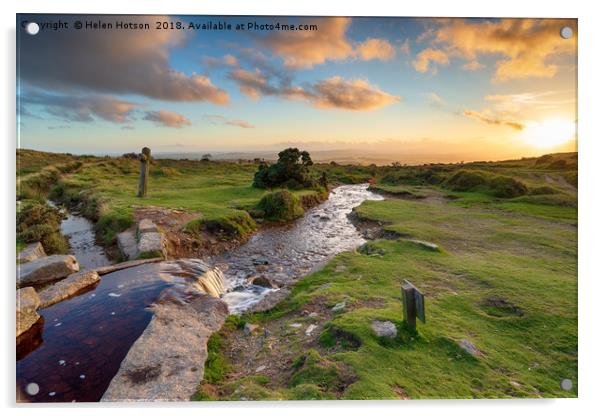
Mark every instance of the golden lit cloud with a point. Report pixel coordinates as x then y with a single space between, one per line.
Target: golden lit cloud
305 49
423 60
488 117
358 94
525 46
167 118
375 49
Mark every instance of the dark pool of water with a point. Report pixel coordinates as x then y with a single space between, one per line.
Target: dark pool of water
76 350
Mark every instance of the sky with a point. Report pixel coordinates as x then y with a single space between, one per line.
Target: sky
408 89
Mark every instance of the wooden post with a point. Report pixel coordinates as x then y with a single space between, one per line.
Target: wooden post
145 158
409 304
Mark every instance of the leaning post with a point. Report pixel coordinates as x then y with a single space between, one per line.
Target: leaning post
413 304
145 158
409 304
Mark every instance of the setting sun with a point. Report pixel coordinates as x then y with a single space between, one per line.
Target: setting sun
549 133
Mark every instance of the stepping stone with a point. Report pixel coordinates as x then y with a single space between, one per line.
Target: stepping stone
33 251
147 226
67 287
46 269
128 246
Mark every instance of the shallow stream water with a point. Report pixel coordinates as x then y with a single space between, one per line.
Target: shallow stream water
285 253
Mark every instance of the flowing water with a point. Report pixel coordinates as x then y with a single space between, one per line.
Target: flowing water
82 240
285 253
75 350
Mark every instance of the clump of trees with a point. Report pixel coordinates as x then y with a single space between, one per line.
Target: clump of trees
291 171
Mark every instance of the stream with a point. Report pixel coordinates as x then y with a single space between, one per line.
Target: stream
74 351
286 253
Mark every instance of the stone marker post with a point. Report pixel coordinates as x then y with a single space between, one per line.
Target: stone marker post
145 158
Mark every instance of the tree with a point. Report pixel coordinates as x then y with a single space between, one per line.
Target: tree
206 157
291 170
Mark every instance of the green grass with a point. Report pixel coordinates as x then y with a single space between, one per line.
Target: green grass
220 192
521 252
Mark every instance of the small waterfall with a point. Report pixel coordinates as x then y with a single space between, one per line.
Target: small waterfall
205 279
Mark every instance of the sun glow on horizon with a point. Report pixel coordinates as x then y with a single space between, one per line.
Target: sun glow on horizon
549 133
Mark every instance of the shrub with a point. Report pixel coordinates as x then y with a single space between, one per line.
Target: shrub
280 206
466 180
40 222
543 190
291 170
477 180
507 187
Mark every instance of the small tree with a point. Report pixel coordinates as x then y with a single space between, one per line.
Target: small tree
206 157
291 170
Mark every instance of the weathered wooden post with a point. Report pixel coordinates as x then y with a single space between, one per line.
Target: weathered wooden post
413 304
145 158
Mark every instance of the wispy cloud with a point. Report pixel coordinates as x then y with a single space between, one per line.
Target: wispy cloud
218 119
80 108
490 118
167 118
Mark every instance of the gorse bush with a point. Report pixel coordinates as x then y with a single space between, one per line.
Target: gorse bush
291 171
477 180
280 206
40 222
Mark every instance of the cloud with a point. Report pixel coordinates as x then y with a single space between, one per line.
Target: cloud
489 118
375 49
357 95
473 66
523 47
434 100
335 92
405 47
113 61
167 118
217 119
213 62
424 59
305 49
253 84
80 108
531 100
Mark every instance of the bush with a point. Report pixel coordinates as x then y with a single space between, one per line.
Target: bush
280 206
507 187
477 180
291 171
543 190
40 222
466 180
